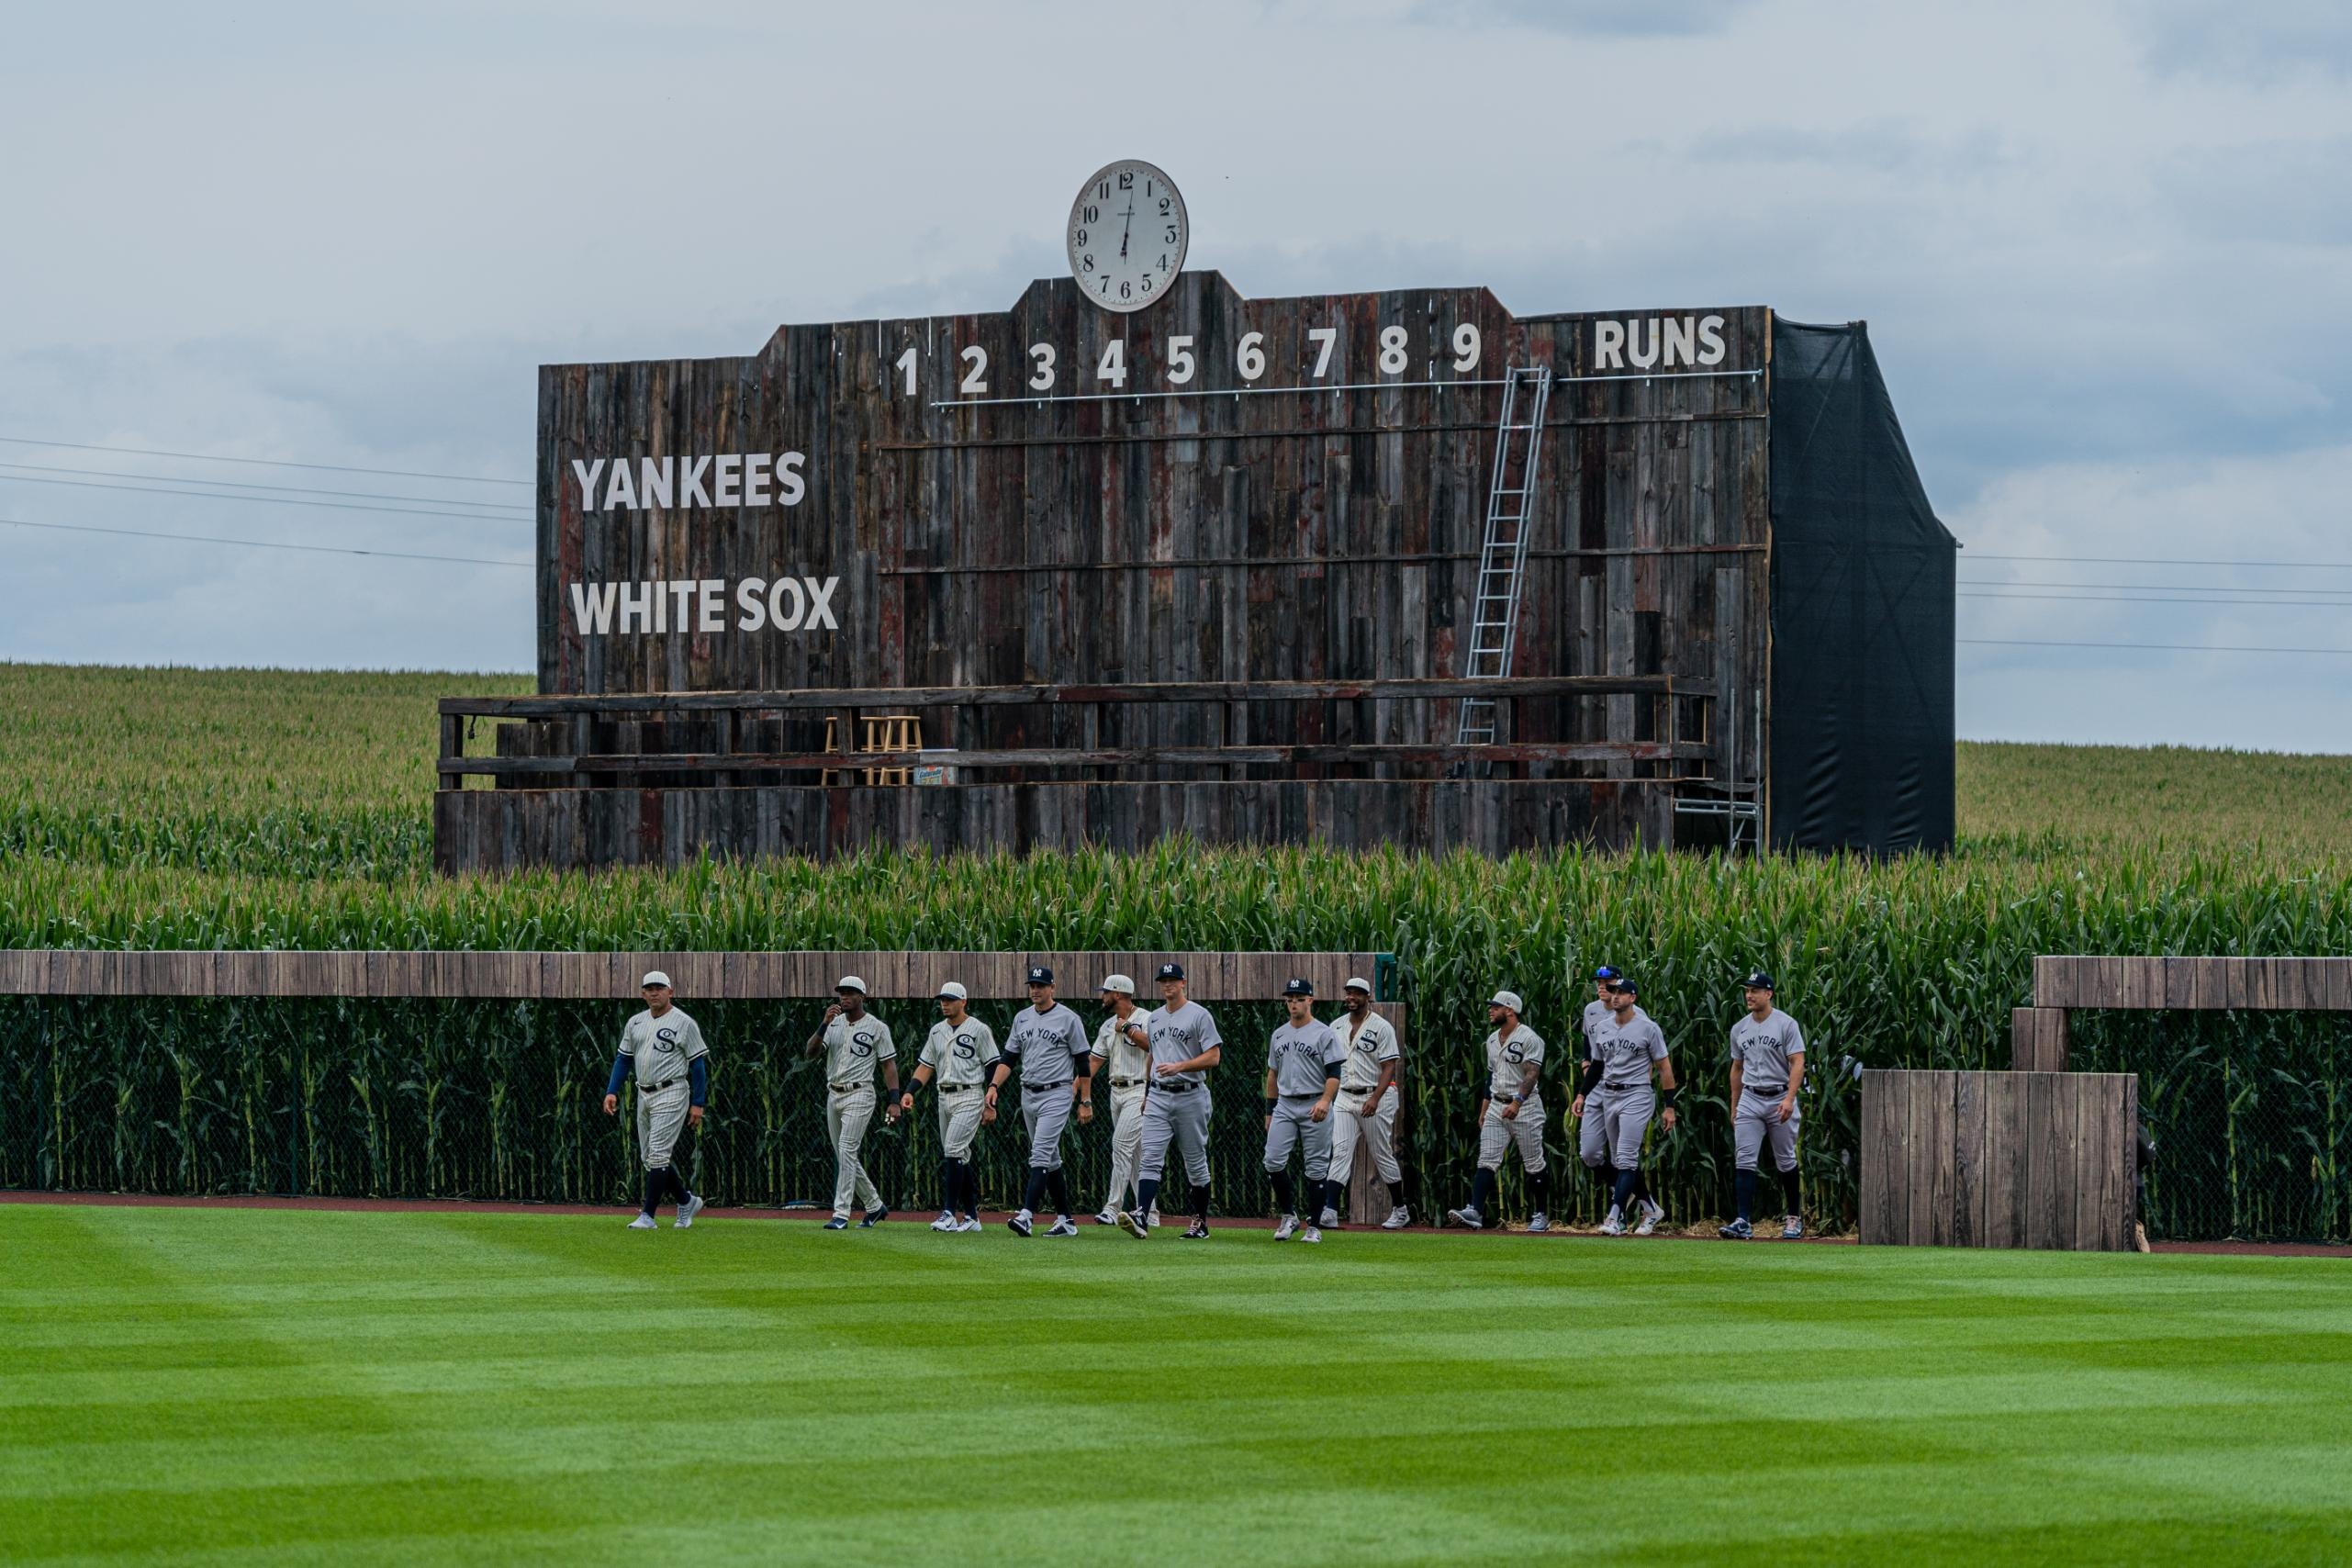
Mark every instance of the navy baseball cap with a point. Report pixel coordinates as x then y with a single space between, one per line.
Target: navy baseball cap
1298 987
1170 971
1760 982
1624 987
1040 975
1606 973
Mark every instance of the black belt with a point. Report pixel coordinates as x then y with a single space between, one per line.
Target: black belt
1125 1082
1623 1087
1171 1086
658 1087
849 1088
1765 1089
956 1088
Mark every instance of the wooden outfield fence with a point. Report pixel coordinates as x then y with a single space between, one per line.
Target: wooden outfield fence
2064 982
2030 1159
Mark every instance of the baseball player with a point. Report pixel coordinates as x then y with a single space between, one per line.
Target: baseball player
1185 1045
1767 1066
958 1054
1050 1044
1510 1111
1304 1061
1366 1107
1592 1130
1622 1055
852 1040
1124 1062
663 1047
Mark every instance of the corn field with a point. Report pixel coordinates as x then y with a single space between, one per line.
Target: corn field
164 822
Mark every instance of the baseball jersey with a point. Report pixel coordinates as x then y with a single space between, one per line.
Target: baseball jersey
659 1048
1044 1044
1596 1013
1625 1050
1303 1057
1121 1055
1763 1050
853 1050
961 1054
1367 1048
1505 1059
1180 1034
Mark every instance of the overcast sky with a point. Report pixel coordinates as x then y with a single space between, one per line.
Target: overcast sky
2105 251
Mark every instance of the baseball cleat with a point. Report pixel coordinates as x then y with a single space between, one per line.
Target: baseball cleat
686 1211
1019 1224
642 1222
967 1224
1651 1215
1155 1219
1539 1223
1614 1225
1398 1218
874 1216
946 1221
1286 1228
838 1222
1312 1233
1792 1230
1466 1216
1061 1227
1328 1220
1197 1231
1108 1216
1133 1224
1738 1230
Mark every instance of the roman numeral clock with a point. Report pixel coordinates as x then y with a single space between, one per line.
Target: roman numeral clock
1127 233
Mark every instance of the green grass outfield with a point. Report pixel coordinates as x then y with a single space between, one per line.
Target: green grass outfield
268 1386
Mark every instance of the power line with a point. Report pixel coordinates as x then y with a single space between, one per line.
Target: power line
2141 647
2169 561
257 543
263 461
267 500
2161 598
2159 588
250 484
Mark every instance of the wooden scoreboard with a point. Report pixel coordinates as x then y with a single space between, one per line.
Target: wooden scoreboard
1212 565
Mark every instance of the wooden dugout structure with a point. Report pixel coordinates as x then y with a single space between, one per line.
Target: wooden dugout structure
1220 568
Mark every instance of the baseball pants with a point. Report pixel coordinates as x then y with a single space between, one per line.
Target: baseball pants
1045 1110
959 1114
847 1114
1626 1122
1127 1141
661 1116
1499 1133
1295 1124
1758 1119
1181 1116
1592 1133
1378 1131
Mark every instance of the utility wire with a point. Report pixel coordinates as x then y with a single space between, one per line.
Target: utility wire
2161 598
264 461
2137 588
257 543
2169 561
269 500
2140 648
277 490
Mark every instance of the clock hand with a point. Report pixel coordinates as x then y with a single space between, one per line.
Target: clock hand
1124 232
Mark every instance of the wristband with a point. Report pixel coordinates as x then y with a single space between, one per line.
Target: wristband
1666 1098
1270 1104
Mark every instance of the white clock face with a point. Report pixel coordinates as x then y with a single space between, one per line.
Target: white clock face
1127 234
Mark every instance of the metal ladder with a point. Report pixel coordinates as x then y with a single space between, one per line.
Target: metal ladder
1502 557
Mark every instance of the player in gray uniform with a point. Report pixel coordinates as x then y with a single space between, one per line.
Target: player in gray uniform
958 1053
1510 1112
1185 1045
1592 1120
1050 1044
852 1040
1622 1054
1304 1060
663 1047
1122 1063
1767 1067
1366 1107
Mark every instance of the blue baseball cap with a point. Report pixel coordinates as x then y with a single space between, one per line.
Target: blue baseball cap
1606 973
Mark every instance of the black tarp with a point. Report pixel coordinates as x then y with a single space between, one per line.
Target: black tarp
1862 610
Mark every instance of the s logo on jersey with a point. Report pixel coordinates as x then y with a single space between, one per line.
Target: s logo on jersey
965 1048
1516 1054
862 1043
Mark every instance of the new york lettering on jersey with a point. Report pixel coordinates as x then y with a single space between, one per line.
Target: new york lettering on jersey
1045 1044
853 1049
1302 1056
1179 1034
1762 1050
1625 1050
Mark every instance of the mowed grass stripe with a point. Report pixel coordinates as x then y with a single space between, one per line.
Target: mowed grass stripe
503 1388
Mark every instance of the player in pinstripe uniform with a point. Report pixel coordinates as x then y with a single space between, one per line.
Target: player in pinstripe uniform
663 1048
1623 1055
1767 1068
1366 1107
1122 1063
1050 1044
1185 1045
1510 1115
852 1041
959 1054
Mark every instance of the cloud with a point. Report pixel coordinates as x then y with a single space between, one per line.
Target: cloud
1586 18
2270 41
2289 193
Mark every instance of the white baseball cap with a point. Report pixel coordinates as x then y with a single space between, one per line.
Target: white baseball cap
1509 998
653 978
1119 983
1355 983
951 989
851 982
